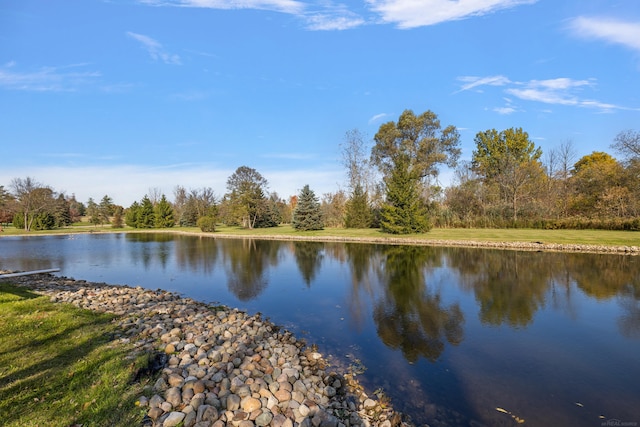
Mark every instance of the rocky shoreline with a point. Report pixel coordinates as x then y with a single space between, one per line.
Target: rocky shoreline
527 246
220 366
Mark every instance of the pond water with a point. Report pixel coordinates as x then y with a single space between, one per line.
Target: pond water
449 334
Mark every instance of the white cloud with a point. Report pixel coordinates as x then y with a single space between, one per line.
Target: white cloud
333 21
155 49
610 30
325 16
377 117
285 6
505 110
473 81
558 91
47 79
418 13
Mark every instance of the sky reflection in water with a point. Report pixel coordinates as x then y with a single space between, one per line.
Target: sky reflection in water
448 333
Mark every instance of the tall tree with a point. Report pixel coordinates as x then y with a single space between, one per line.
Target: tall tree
93 211
404 211
418 140
332 207
193 205
163 214
76 209
117 221
596 177
131 215
105 209
408 153
33 199
358 210
511 161
307 214
62 211
627 143
355 158
247 190
7 206
146 214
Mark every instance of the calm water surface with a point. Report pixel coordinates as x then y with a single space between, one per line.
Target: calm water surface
449 334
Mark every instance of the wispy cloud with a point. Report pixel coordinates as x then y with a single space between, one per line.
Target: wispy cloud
377 117
334 18
508 108
323 16
471 82
285 6
67 78
610 30
155 49
419 13
559 91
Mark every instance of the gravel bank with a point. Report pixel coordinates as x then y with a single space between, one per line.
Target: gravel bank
220 366
531 246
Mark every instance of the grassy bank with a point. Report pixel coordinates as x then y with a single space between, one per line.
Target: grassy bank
577 237
59 365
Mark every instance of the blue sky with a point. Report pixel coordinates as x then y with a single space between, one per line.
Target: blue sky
120 96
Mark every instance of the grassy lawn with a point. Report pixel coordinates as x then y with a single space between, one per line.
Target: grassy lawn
59 367
581 237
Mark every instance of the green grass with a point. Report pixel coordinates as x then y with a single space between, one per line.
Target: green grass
60 367
580 237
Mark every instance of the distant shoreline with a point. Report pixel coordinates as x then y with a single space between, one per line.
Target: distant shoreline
386 240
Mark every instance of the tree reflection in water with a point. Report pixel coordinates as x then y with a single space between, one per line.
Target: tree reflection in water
409 315
309 259
509 285
246 261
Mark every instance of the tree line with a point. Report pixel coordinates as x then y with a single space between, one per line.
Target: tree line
392 184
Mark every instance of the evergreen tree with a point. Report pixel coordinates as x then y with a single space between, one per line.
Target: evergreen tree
404 211
117 222
93 212
358 211
131 215
105 209
62 212
146 215
164 214
307 215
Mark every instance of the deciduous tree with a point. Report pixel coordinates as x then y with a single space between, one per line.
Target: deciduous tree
33 199
247 190
594 176
511 161
418 140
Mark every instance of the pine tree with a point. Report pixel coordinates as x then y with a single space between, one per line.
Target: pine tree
307 215
131 215
164 214
146 216
358 211
404 211
116 222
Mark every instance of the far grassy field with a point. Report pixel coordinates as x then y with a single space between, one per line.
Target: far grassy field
60 367
580 237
